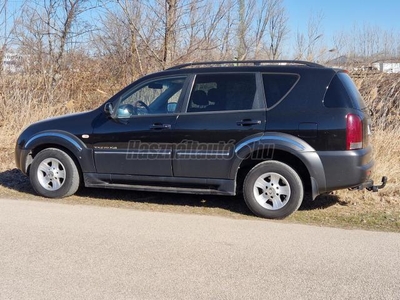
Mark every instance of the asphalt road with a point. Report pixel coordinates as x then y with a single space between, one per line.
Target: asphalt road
59 251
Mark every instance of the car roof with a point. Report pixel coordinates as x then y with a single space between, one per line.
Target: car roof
284 66
248 63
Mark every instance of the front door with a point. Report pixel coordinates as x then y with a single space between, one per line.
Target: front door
136 140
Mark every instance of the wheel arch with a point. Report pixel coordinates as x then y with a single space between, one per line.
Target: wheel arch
284 148
64 141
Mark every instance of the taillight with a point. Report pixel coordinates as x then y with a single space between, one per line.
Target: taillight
354 132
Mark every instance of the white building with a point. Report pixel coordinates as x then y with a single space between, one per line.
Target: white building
387 67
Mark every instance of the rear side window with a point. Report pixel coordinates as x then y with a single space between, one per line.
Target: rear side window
277 86
342 92
222 92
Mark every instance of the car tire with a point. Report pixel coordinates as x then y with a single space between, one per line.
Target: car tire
54 174
273 190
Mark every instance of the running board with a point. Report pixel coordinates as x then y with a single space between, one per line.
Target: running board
149 188
200 186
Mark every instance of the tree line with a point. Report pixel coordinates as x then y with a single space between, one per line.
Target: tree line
130 38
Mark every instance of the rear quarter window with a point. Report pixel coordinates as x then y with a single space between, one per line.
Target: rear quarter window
342 92
278 86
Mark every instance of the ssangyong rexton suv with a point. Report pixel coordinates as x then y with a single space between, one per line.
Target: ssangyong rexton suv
272 130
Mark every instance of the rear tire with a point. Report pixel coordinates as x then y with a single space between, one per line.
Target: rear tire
54 174
273 190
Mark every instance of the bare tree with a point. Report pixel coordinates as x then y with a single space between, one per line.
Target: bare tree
126 23
222 31
171 7
47 31
3 26
162 33
215 40
306 45
340 41
367 44
7 16
245 18
277 28
261 23
262 27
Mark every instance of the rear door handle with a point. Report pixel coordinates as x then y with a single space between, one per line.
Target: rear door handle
248 122
160 126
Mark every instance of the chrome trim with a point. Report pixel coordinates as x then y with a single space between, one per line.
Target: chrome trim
126 152
205 153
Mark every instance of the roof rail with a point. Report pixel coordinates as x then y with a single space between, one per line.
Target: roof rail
251 62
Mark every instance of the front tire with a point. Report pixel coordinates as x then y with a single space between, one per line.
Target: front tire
53 174
273 190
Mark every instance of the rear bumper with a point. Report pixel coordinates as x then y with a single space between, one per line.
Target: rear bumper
346 169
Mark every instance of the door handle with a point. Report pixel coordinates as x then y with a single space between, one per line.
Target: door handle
160 126
248 122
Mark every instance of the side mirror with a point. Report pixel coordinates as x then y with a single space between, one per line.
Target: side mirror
108 109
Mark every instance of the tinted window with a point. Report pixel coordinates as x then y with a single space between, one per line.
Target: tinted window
277 86
218 92
342 92
352 90
336 95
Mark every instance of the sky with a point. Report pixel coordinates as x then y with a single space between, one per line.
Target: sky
337 16
342 15
337 13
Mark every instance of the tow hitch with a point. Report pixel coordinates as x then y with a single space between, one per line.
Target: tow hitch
369 185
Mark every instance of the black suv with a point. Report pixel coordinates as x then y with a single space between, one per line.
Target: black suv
272 130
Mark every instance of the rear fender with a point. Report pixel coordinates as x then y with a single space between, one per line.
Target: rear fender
271 141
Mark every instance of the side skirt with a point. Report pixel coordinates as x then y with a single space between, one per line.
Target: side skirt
202 186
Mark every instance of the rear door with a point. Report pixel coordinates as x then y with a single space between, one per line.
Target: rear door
221 111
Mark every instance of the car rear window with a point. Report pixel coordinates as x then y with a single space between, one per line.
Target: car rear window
342 92
277 86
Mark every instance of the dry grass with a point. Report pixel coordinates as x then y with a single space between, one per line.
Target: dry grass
364 209
381 92
24 100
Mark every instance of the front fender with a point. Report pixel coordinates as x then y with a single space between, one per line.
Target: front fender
271 141
54 138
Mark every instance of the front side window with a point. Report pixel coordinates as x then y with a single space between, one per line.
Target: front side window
154 97
222 92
